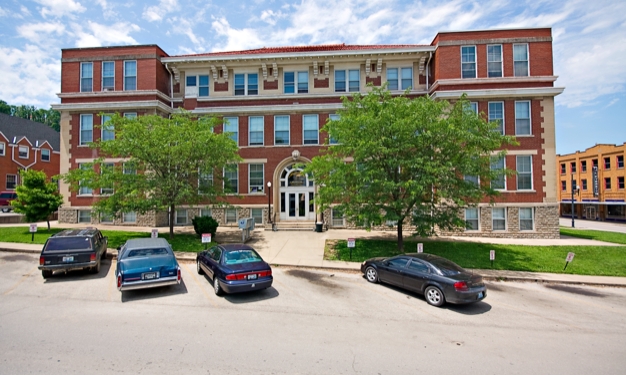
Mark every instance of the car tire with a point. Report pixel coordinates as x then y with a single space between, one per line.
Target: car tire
199 268
96 268
371 274
46 274
434 296
216 287
5 210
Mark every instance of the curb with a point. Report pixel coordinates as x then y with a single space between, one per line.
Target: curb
544 281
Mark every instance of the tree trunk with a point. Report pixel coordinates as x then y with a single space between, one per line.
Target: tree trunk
400 238
48 221
172 213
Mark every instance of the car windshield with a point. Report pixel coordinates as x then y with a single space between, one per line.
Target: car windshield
135 253
6 195
447 267
68 243
241 256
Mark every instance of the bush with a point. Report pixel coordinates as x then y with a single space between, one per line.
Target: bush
205 224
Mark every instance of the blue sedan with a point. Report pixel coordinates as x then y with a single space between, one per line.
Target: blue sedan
146 263
234 268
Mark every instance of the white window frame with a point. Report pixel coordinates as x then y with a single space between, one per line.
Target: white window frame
203 212
493 219
495 61
129 76
108 88
474 107
204 178
47 153
81 141
396 80
129 217
246 83
469 62
106 219
259 187
224 179
226 212
477 210
347 79
489 117
262 131
234 122
532 218
517 163
82 89
527 60
530 123
83 191
208 86
317 124
15 181
106 190
504 177
109 129
178 216
401 78
21 149
130 115
472 179
333 117
252 210
80 218
2 148
335 220
282 131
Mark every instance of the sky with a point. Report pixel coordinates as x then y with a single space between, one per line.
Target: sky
589 41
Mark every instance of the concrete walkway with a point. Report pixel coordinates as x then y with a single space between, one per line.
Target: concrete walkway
306 249
594 225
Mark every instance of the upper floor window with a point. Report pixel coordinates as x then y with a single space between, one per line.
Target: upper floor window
205 183
572 167
310 128
494 61
524 172
197 86
520 60
86 129
620 161
402 82
231 125
607 163
607 183
247 84
594 163
86 77
522 118
293 80
563 168
2 148
332 117
281 130
496 113
347 80
256 178
498 183
84 190
583 166
620 182
11 181
107 168
108 75
130 115
584 183
108 132
130 75
231 179
474 107
23 152
203 85
468 62
256 131
563 185
45 154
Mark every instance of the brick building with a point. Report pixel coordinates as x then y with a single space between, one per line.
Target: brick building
598 195
275 101
26 144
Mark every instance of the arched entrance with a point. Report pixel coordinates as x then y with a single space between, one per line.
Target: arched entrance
296 196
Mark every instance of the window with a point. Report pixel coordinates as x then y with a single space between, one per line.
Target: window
2 148
522 118
310 127
607 183
351 76
584 183
247 84
572 167
86 77
130 115
468 62
524 173
257 215
84 216
281 130
108 75
496 114
620 183
418 266
594 162
231 179
607 163
303 82
106 168
11 181
206 212
256 131
104 218
583 166
620 162
392 79
45 154
83 190
231 125
332 117
407 78
108 132
474 107
471 218
289 85
562 168
498 183
563 185
191 81
337 217
205 181
406 81
129 168
498 218
494 61
231 215
181 217
22 152
526 219
256 178
203 86
472 179
520 60
130 217
130 75
86 129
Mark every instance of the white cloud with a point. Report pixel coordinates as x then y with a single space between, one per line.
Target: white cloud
96 35
39 33
185 27
3 12
107 9
60 8
235 39
612 102
157 12
271 17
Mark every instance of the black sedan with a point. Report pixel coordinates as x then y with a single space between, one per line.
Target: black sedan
234 268
437 278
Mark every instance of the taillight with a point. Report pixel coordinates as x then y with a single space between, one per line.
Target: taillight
179 275
265 273
41 261
92 257
119 281
460 285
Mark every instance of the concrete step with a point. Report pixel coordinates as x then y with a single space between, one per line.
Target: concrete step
303 226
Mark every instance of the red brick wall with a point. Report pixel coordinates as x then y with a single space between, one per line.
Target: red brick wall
220 86
272 85
321 83
8 166
376 81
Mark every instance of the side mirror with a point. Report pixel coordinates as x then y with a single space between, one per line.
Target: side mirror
385 263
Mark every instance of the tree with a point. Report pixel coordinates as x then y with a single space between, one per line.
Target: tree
5 108
398 158
37 198
167 162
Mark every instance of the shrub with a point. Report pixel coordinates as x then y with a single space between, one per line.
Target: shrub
205 224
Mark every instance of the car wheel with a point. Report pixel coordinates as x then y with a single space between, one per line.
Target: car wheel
96 268
434 296
216 287
46 274
5 210
371 274
200 271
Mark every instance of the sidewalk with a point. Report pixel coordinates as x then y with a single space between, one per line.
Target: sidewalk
306 249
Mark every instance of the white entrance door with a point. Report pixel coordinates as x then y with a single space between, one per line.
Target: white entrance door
297 193
300 205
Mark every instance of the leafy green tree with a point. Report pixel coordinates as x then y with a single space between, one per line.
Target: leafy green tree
49 117
37 198
167 162
4 107
397 158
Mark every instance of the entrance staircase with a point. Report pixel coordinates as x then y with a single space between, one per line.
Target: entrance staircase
304 226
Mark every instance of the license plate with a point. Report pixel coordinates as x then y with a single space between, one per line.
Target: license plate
149 275
252 277
68 259
480 295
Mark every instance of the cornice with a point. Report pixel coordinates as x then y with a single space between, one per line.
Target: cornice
106 94
112 106
488 81
499 93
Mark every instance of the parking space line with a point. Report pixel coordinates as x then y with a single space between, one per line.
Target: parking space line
19 282
195 280
113 279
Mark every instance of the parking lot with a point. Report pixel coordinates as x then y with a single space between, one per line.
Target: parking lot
309 322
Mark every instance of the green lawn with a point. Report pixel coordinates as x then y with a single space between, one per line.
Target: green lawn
181 242
597 235
589 260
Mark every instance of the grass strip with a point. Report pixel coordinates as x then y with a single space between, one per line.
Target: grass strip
597 235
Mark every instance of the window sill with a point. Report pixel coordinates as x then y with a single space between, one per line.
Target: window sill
524 136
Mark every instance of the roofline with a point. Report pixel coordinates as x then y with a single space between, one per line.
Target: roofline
589 148
499 29
112 47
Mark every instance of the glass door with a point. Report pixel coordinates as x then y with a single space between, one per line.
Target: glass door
300 205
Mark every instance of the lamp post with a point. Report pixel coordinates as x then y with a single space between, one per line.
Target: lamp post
269 209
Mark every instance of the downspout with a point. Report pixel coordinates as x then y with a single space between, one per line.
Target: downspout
171 87
427 69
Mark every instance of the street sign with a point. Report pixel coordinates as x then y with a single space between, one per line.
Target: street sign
595 182
33 228
155 233
570 257
351 242
492 254
420 247
206 237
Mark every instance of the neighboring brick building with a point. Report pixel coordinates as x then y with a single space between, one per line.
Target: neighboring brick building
26 144
607 201
276 100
